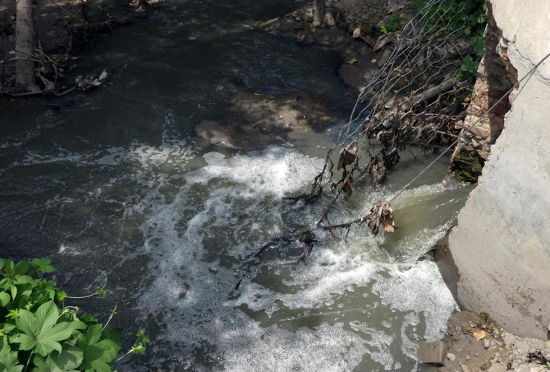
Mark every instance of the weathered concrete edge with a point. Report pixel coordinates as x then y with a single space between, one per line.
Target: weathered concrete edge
501 245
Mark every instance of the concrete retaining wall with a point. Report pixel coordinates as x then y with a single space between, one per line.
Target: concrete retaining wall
501 245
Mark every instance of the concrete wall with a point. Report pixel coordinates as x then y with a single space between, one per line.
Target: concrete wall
501 245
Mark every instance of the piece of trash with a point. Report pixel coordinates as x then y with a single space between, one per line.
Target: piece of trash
85 83
479 334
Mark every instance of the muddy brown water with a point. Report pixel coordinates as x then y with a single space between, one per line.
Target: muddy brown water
115 180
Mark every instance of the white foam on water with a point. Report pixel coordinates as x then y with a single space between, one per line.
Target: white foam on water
258 327
297 319
419 288
326 348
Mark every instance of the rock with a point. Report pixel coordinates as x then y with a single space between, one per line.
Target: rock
523 368
486 344
384 58
485 366
451 357
432 353
214 133
546 354
329 20
357 33
383 41
464 368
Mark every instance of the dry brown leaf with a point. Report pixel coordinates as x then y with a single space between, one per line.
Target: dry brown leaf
347 187
479 334
347 155
357 33
381 215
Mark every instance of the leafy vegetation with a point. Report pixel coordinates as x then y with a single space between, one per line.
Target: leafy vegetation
38 332
393 24
464 18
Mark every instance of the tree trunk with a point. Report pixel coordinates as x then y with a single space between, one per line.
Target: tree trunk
318 12
25 45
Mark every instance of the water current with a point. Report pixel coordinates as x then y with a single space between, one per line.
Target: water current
116 180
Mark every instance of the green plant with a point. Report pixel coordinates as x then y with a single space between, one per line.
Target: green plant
393 24
464 18
38 332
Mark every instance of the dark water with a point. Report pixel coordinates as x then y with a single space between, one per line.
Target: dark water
115 180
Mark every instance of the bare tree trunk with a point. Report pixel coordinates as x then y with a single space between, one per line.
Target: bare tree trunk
25 44
318 12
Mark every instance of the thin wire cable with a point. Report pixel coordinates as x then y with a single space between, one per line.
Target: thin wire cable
527 76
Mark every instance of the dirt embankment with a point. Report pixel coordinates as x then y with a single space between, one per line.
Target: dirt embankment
475 342
62 27
352 27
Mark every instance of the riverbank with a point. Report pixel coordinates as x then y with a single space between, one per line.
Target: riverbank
62 28
475 342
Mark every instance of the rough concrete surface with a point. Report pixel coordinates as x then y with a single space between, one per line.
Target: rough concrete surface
501 245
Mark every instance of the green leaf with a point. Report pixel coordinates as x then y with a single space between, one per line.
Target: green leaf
60 295
40 331
100 366
2 262
22 268
352 61
9 263
139 349
477 43
68 360
5 347
4 299
143 337
24 279
42 265
8 363
114 335
88 319
97 354
13 314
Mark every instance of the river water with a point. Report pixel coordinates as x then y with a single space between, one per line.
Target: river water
116 180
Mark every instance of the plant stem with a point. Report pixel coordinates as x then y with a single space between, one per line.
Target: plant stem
91 294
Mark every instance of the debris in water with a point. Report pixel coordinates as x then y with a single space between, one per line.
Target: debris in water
381 215
348 155
86 83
